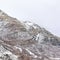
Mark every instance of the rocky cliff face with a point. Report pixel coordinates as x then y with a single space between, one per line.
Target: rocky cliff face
26 41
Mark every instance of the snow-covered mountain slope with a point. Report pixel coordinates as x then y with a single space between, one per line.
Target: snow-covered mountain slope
26 40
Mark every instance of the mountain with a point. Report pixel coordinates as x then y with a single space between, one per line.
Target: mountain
26 40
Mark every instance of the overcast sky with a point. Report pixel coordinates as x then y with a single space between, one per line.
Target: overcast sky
45 13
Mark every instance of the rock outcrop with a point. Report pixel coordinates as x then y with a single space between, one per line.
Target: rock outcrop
26 41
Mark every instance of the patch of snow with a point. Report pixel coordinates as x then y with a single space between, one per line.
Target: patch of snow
18 48
35 56
12 56
3 52
39 37
7 52
2 23
34 27
29 24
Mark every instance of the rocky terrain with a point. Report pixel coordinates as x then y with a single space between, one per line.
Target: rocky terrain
26 41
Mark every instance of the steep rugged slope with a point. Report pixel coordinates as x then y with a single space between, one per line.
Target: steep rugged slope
26 41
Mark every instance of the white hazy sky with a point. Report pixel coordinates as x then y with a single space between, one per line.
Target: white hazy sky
45 13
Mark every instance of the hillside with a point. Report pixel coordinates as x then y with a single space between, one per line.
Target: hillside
26 40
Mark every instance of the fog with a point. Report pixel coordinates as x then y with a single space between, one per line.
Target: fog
45 13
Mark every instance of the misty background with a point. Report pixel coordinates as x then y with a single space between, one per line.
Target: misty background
45 13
